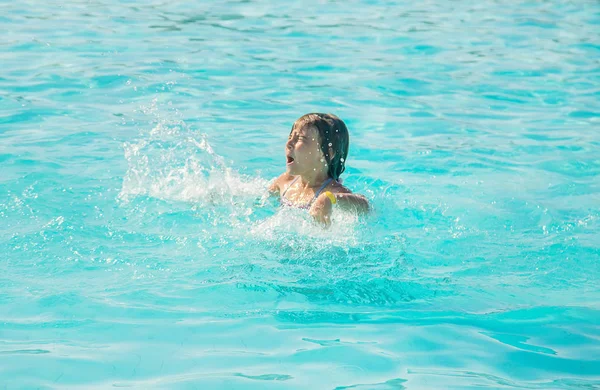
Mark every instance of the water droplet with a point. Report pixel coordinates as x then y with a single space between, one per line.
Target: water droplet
322 160
330 144
342 159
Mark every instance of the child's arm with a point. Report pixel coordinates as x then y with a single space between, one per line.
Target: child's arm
323 206
275 185
351 202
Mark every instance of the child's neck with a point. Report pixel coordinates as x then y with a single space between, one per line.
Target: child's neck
313 180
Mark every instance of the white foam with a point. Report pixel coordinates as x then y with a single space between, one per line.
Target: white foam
295 226
173 163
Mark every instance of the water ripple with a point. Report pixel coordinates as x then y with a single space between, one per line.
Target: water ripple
138 249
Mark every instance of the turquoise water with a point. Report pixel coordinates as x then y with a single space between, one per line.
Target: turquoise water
136 141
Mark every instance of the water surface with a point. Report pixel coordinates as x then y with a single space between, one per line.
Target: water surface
136 141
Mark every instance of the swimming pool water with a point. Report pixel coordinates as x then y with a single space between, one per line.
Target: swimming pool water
138 250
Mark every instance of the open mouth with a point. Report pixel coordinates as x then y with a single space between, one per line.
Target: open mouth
289 160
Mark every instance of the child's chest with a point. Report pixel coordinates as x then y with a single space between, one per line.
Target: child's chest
293 192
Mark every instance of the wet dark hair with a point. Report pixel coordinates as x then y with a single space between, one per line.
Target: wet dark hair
332 131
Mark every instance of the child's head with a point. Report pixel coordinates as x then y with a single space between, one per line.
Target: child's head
331 143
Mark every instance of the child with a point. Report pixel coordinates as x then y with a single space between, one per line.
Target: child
316 153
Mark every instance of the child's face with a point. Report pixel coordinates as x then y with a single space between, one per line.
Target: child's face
303 152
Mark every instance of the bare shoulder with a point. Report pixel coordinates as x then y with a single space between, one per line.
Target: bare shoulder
349 200
280 182
338 188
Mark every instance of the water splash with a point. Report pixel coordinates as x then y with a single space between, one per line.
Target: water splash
295 229
174 162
